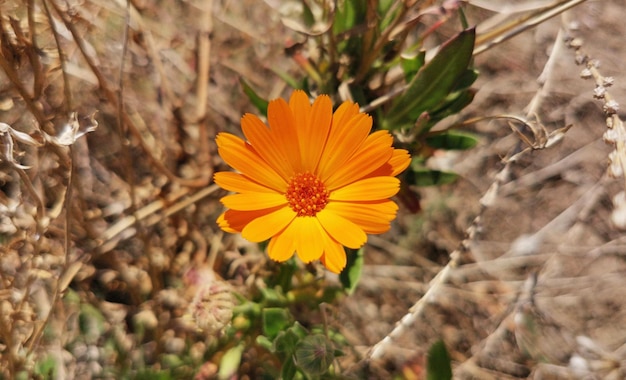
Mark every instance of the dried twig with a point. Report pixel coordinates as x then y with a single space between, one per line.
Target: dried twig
542 139
112 98
615 134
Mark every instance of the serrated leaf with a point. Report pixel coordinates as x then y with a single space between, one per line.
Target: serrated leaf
275 320
256 100
435 80
438 366
351 274
452 140
429 177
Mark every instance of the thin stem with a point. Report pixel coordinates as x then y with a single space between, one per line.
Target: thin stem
486 41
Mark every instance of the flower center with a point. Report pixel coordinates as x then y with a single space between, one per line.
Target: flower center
306 194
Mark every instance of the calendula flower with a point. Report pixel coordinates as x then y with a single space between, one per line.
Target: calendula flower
313 182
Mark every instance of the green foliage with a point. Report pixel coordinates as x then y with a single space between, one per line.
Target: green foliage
351 275
230 362
429 177
357 47
438 366
441 81
275 320
364 44
314 354
410 66
46 368
452 140
260 103
296 352
90 322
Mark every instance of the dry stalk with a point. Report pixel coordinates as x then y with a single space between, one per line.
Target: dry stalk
615 134
489 39
541 139
510 29
113 99
202 82
168 206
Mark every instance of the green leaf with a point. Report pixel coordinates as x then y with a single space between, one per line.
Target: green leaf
453 104
286 341
289 369
314 355
284 277
346 16
307 15
257 101
411 66
171 361
438 366
230 362
434 81
264 342
46 368
273 296
351 274
91 323
386 14
466 79
275 320
429 177
452 140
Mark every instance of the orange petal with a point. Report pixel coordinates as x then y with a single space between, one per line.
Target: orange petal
242 157
264 142
344 113
283 127
372 154
253 201
225 225
314 133
334 257
239 183
368 189
268 225
398 162
373 218
283 245
341 229
308 237
301 109
344 139
234 221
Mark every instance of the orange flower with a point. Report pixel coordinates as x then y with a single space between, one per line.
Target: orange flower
313 182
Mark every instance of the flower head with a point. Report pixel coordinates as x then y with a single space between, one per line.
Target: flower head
313 182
